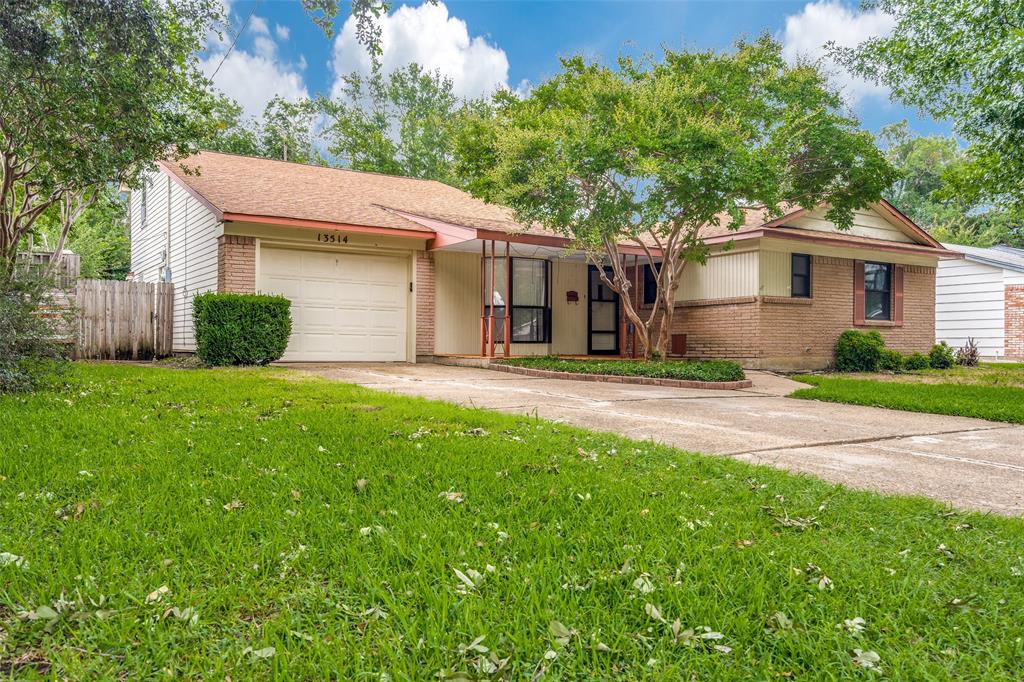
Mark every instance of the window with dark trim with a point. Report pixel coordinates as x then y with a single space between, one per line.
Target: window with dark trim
530 300
800 276
142 207
650 285
877 291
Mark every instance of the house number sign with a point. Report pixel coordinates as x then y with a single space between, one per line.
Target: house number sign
331 238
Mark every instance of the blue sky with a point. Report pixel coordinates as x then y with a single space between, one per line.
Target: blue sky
484 43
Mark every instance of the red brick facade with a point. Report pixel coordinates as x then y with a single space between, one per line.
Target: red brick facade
236 264
797 333
425 292
1014 340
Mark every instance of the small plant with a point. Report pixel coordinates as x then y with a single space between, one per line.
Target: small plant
967 355
890 360
916 361
941 356
241 329
858 351
35 331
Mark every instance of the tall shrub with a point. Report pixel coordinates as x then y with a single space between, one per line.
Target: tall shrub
241 329
858 351
34 331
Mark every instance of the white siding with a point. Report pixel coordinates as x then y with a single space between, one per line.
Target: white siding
727 275
969 302
192 230
867 222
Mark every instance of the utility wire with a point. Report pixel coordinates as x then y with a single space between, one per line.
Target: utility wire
238 35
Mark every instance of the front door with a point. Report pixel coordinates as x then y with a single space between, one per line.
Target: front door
602 316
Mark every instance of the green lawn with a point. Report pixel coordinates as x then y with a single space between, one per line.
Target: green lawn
706 370
990 391
264 523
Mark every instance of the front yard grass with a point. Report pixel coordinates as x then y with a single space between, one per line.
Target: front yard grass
266 523
705 370
990 391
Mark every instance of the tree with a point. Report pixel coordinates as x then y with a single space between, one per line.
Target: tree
401 124
653 154
93 91
285 131
962 61
99 236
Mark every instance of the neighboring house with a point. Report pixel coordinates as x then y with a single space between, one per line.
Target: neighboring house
982 297
383 268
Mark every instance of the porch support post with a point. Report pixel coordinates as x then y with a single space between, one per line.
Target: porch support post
636 299
483 298
622 318
490 317
508 300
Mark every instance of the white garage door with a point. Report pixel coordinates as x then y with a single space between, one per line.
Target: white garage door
345 307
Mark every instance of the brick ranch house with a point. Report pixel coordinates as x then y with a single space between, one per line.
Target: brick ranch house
383 268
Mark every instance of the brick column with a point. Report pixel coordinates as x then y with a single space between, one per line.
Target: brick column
424 303
1014 340
236 264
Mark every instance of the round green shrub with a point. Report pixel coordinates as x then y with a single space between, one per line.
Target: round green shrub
241 329
890 360
916 361
858 351
941 356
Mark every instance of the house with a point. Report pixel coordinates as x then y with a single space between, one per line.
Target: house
982 297
383 268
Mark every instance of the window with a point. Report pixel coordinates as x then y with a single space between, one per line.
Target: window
530 300
800 281
877 291
142 207
650 285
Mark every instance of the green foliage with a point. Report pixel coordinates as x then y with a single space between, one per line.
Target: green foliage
705 370
32 327
960 61
315 506
401 123
890 360
285 131
941 356
915 362
858 351
99 235
241 329
94 92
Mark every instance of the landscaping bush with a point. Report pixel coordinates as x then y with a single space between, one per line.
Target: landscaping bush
705 370
34 332
858 351
941 356
916 361
968 355
890 360
241 329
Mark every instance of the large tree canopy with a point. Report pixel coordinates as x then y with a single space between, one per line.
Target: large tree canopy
654 153
284 132
961 60
91 92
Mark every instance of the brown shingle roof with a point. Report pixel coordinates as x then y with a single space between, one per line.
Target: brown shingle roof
266 187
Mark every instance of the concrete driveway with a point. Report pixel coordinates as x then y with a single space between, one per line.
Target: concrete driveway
968 463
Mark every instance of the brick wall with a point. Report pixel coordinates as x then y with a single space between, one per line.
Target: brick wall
425 293
236 264
1014 340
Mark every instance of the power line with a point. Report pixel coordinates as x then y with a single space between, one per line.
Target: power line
231 47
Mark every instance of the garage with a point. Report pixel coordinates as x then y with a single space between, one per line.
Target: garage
346 307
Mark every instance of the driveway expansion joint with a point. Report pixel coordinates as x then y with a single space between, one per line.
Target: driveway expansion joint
860 441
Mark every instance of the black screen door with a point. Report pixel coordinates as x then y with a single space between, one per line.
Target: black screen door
602 316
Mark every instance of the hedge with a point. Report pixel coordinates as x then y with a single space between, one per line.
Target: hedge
706 370
241 329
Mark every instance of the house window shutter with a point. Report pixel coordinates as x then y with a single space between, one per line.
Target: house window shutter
858 292
897 294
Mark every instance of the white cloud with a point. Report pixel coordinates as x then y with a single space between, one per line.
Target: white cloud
282 32
823 21
429 36
259 26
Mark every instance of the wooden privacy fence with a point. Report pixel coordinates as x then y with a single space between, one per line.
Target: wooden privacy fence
124 320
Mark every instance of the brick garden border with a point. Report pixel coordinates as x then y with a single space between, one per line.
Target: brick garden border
618 379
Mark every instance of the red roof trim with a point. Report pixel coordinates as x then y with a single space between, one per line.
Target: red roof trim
325 225
909 224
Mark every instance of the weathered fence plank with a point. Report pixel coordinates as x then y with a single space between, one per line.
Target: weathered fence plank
124 320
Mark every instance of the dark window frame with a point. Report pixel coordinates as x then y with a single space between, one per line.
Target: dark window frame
650 285
499 310
142 206
887 308
806 278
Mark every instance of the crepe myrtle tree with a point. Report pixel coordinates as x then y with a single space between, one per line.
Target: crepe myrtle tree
652 153
91 93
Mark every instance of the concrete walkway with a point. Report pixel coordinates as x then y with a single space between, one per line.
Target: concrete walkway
968 463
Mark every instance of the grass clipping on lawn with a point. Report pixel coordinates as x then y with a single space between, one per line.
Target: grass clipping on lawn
262 523
704 370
